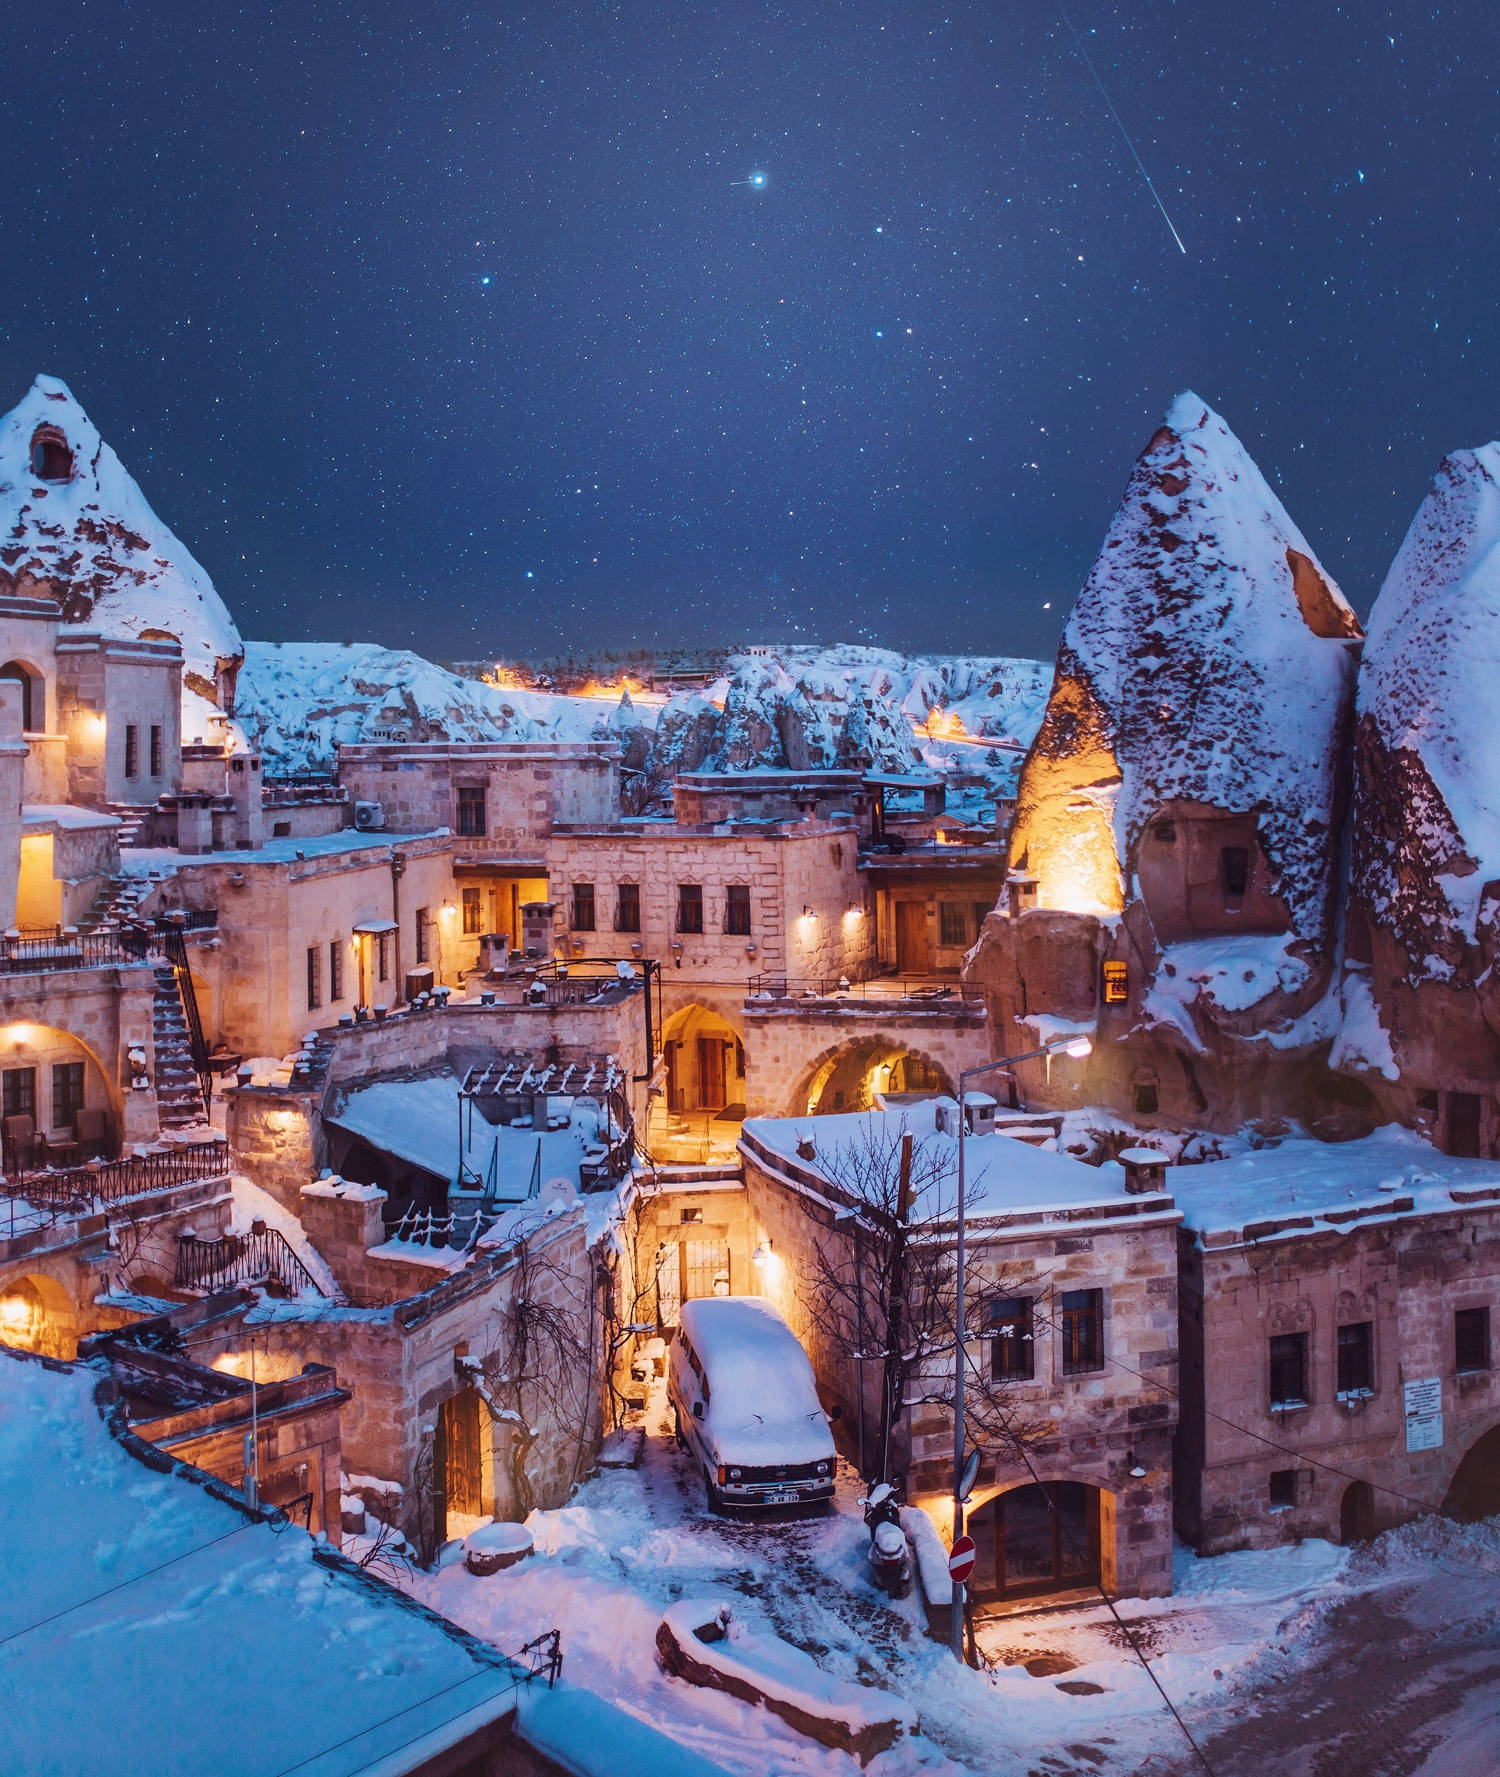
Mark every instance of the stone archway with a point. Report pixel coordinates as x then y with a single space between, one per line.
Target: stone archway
1049 1535
848 1076
36 1314
48 1075
1474 1491
697 1116
33 684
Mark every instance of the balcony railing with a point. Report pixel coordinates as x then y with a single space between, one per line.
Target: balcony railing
102 1182
32 954
908 990
234 1260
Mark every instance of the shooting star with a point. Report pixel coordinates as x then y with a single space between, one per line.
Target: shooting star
1078 44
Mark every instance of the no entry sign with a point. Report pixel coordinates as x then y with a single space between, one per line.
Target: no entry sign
961 1560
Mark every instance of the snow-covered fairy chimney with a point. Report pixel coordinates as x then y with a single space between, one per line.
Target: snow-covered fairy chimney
74 527
1189 779
1426 851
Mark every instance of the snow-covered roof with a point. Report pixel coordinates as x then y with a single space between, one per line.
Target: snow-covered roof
418 1121
109 560
1427 829
1002 1176
1206 655
148 1627
763 1402
1392 1172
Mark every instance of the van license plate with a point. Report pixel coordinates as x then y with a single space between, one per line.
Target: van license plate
784 1496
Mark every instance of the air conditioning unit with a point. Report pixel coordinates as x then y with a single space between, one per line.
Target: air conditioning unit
369 817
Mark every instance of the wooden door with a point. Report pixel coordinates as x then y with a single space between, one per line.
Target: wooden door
711 1073
674 1076
913 956
459 1447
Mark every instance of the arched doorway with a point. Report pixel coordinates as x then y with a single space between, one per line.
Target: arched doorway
1048 1536
849 1079
698 1114
37 1315
1357 1513
31 699
1475 1489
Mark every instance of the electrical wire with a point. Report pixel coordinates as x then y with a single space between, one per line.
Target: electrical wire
421 1703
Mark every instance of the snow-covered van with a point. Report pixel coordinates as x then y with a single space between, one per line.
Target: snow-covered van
747 1406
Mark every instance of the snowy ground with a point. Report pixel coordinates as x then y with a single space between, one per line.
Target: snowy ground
1306 1662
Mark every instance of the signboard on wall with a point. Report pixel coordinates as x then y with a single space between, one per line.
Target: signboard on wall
1424 1414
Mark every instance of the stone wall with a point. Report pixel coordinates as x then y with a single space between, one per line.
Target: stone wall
529 786
1407 1277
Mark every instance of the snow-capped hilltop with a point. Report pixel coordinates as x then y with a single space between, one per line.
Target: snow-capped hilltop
1428 822
1202 655
75 527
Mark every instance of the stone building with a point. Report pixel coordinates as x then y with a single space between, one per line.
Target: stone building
1179 817
1072 1306
1422 1026
1337 1366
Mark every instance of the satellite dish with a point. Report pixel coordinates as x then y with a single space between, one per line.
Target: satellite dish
560 1193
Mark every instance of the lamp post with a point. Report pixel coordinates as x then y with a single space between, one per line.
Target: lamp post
1078 1046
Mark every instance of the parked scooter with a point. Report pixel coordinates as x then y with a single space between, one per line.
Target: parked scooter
889 1553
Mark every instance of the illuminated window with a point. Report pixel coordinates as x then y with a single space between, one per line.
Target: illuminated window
1116 984
473 912
737 909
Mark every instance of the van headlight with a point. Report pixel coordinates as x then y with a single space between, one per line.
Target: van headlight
734 1474
822 1468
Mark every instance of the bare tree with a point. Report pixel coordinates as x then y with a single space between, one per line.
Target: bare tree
883 1286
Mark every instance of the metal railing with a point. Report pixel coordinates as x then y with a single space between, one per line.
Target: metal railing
907 989
33 954
102 1182
174 947
188 919
237 1259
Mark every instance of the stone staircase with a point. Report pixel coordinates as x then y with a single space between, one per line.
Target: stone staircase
120 899
131 817
179 1099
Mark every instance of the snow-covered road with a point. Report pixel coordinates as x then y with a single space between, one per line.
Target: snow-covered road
1261 1653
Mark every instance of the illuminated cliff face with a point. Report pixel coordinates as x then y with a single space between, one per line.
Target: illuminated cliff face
1206 673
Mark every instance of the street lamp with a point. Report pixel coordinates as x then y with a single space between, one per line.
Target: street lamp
1078 1047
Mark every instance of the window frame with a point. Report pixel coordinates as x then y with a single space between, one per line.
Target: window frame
11 1097
132 751
472 808
158 750
423 935
1482 1321
1081 1326
1007 1351
1298 1342
584 908
690 896
737 910
314 977
335 970
953 916
631 921
66 1104
1354 1357
471 910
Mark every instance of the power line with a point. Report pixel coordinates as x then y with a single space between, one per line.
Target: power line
396 1715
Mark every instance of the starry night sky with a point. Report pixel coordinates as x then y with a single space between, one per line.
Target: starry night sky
461 327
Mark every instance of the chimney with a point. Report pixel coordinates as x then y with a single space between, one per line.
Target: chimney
1145 1171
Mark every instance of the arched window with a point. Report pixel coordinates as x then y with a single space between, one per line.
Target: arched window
15 671
51 459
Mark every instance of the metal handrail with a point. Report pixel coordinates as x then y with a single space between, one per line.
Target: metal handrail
33 955
112 1181
919 989
174 947
236 1259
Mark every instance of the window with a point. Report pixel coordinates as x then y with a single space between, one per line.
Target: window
382 956
335 971
314 978
473 912
737 909
1116 984
281 829
1012 1349
157 750
1289 1369
1356 1359
132 750
18 1091
1471 1339
1234 871
1082 1331
67 1093
1283 1489
689 907
692 1214
471 812
51 460
583 906
628 907
18 675
424 941
953 923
